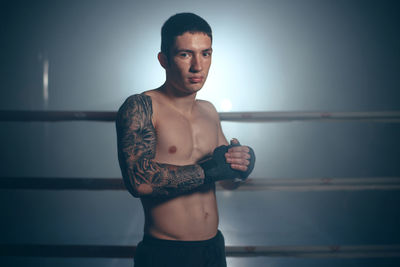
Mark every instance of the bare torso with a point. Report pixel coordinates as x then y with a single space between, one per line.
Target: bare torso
183 139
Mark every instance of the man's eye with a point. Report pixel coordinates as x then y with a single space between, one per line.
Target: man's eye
184 54
206 54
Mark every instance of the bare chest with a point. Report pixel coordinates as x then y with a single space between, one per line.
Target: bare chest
182 140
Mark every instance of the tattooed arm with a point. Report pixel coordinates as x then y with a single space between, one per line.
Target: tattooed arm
136 138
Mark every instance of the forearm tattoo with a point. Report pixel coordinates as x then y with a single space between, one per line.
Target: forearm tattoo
137 142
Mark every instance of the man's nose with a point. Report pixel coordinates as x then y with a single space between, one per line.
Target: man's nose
196 64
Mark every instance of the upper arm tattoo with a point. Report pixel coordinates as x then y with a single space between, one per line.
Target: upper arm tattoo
137 143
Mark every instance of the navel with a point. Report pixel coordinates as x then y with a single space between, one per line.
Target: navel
172 149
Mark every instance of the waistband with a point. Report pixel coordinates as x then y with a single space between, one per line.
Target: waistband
150 240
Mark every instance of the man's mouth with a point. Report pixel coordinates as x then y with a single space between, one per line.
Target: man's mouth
196 79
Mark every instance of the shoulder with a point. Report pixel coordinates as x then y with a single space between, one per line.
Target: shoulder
136 99
135 106
136 103
208 108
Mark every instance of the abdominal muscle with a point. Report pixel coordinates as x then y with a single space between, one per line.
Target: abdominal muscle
189 217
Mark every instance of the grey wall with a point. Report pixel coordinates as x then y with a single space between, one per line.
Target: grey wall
268 56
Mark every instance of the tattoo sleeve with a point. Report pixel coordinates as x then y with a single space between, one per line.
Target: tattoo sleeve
137 141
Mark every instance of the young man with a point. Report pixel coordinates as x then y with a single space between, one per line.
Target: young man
172 151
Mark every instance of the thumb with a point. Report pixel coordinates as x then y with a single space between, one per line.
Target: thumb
235 142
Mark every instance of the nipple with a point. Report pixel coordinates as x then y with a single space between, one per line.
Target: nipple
172 149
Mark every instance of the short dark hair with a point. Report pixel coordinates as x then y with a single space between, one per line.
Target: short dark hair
177 25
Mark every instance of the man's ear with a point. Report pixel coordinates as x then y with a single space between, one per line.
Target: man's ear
162 58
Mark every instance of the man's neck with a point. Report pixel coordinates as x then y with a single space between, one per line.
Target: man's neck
184 103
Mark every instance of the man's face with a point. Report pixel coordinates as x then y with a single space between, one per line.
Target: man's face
189 62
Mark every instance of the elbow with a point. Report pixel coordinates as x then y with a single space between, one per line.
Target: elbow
143 190
133 191
137 190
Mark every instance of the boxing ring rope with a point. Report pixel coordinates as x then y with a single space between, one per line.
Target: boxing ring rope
53 116
313 184
100 251
254 184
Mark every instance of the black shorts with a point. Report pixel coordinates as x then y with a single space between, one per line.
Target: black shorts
153 252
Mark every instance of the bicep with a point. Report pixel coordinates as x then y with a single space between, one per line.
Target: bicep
136 141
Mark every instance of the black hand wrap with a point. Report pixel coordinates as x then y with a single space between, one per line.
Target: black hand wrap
252 160
250 167
216 168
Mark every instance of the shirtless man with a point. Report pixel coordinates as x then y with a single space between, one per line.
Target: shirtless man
172 150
